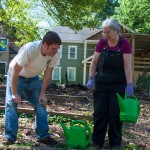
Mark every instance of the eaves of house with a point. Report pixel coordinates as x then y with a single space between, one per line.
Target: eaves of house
68 35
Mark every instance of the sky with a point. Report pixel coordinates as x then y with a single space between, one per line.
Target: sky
38 12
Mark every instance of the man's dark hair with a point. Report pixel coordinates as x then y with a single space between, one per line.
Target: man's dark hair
51 37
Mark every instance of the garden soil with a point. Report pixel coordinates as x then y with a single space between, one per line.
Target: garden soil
135 136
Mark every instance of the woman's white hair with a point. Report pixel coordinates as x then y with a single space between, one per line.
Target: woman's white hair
113 24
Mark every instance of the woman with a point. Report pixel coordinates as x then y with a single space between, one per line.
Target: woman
111 73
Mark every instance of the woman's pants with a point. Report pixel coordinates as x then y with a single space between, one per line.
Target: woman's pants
106 114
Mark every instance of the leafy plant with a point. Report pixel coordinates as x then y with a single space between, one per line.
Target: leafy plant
143 82
58 119
131 146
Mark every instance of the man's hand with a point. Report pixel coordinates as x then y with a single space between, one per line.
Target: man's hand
14 84
16 98
43 100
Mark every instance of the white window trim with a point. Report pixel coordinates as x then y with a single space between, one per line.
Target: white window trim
60 51
59 74
6 45
5 64
68 68
69 47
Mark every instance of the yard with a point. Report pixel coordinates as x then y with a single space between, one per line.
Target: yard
135 136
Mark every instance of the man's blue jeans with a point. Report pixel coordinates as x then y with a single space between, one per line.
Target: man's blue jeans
32 88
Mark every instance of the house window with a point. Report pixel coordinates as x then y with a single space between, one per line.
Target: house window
3 67
3 45
60 51
72 52
56 75
71 73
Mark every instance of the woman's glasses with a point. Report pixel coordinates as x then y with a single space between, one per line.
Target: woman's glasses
107 32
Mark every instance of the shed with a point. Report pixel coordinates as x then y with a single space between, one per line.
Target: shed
140 44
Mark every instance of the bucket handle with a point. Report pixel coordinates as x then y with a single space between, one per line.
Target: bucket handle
86 127
134 97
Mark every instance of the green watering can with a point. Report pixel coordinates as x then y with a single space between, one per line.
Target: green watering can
76 136
129 108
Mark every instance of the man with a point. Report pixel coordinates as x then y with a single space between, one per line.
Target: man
23 73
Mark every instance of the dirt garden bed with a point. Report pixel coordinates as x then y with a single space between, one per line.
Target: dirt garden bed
135 136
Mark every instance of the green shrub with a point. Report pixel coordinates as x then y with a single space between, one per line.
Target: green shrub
143 82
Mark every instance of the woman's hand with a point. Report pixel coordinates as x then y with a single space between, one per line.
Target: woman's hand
90 83
129 90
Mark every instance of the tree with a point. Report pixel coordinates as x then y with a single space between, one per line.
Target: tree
17 22
20 24
134 14
108 10
75 14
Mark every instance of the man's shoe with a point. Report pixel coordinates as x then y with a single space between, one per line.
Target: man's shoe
7 141
48 141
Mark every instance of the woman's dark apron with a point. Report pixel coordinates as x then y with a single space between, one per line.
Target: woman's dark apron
110 69
109 79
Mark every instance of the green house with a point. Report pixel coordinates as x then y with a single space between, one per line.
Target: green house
72 52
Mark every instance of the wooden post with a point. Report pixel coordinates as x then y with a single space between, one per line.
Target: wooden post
84 69
64 114
133 55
